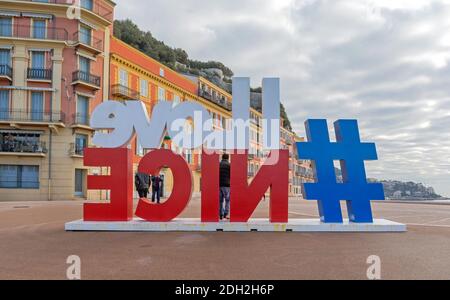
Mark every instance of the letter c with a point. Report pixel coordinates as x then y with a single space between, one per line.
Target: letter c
182 187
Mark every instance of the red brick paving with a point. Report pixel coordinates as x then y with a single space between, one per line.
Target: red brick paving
34 245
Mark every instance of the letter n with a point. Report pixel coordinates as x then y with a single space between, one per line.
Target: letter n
246 197
120 182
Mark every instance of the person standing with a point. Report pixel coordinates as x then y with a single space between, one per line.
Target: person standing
142 183
224 200
156 189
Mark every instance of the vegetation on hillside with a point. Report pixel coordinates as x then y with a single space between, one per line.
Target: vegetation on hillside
130 33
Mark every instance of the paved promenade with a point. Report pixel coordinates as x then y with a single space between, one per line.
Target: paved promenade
34 245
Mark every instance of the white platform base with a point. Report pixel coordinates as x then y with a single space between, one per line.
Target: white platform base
261 225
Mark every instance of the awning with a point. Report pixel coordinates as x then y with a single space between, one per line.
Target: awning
23 88
39 49
88 24
86 56
21 132
5 13
39 16
85 94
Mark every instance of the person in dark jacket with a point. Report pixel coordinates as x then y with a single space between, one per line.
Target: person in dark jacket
156 189
142 183
224 200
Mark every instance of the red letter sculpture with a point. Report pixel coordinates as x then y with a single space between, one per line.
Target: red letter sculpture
120 182
210 188
245 198
182 186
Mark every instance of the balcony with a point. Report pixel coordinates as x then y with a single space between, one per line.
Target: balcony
124 92
35 117
23 148
40 74
80 120
216 100
6 72
86 79
95 7
27 32
88 42
76 150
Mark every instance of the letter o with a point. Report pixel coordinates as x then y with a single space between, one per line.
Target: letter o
182 187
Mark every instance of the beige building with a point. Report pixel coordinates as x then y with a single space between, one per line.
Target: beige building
53 67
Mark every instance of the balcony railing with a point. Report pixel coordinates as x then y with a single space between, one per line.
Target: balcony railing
304 172
40 74
23 146
88 40
221 102
85 77
32 116
96 7
27 32
124 92
76 149
6 70
80 119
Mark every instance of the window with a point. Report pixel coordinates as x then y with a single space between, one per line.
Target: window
85 65
82 110
176 100
161 94
5 26
139 149
85 35
39 29
19 177
37 106
4 104
5 58
38 60
123 78
88 4
144 88
188 156
81 142
79 182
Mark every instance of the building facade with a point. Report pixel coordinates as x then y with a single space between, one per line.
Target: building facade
57 63
54 65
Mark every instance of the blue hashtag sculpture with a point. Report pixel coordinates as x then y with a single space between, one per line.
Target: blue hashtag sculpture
351 153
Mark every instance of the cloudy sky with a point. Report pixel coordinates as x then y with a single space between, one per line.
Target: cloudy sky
383 62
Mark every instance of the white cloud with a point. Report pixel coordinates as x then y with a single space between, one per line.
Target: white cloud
383 62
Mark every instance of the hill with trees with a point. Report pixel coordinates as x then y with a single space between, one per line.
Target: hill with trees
178 59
